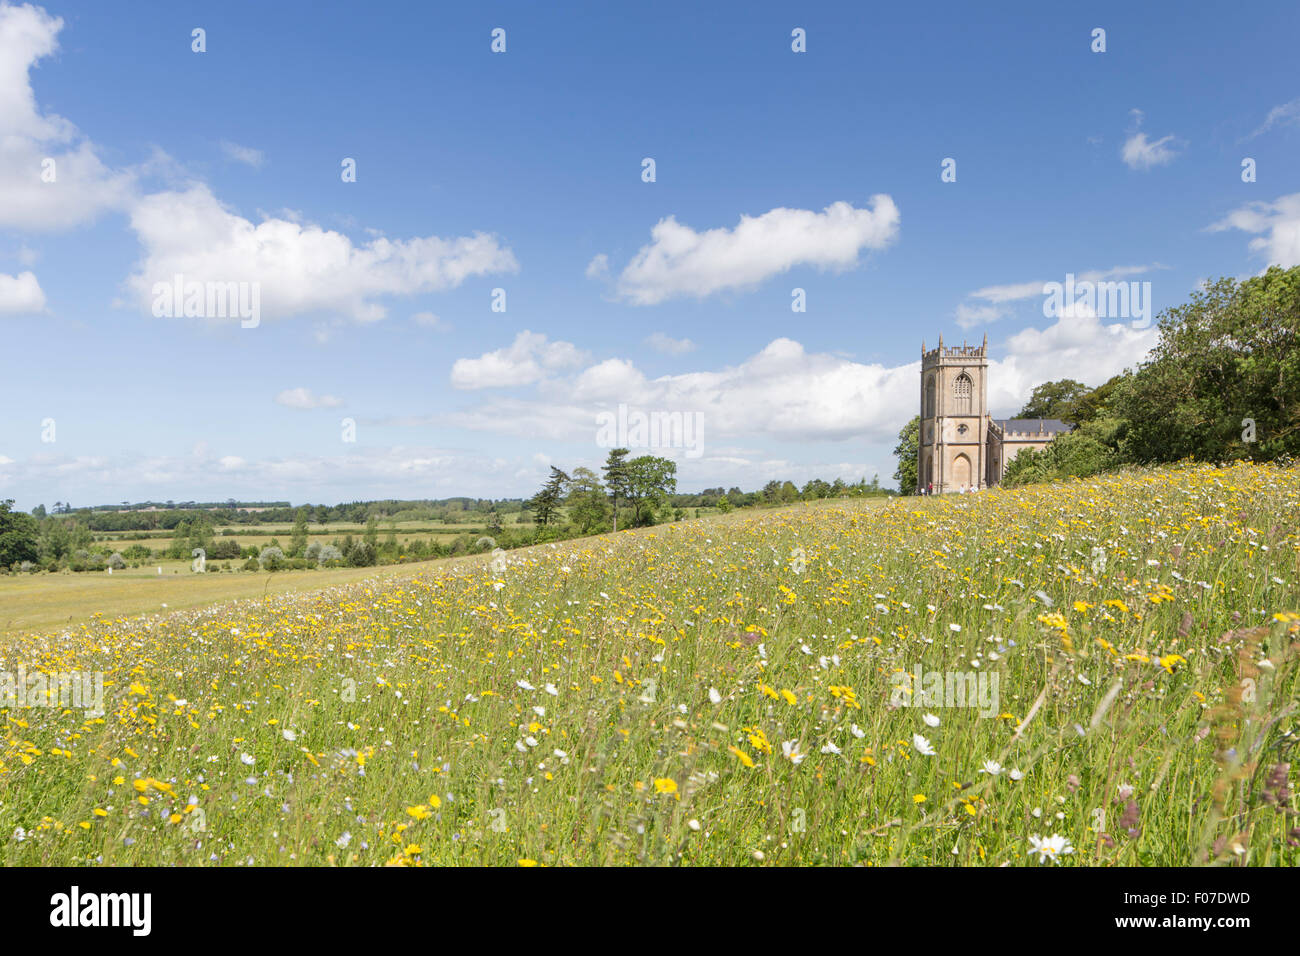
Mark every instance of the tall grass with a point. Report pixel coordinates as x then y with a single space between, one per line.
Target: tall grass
726 691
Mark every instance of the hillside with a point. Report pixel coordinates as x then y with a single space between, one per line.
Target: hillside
1116 666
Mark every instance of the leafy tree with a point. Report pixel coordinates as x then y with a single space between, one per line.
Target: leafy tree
18 536
617 477
1053 399
587 504
1229 357
546 502
906 451
298 541
649 482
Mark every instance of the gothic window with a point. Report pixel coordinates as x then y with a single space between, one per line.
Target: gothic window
929 398
961 394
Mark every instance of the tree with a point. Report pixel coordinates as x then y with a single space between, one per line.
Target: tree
1223 380
617 479
1053 399
649 482
546 502
906 451
18 535
587 504
298 542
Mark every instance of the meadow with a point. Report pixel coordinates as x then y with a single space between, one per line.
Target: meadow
1117 662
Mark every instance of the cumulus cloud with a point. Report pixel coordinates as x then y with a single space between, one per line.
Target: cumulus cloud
51 177
1276 226
298 267
1139 152
786 393
669 345
21 294
242 154
304 398
525 361
680 262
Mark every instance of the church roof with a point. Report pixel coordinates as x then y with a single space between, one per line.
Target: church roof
1033 426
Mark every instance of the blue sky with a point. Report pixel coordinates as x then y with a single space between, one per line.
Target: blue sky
522 171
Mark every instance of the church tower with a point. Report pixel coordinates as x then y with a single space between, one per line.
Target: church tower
954 418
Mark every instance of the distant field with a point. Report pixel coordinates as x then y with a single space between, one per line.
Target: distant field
44 602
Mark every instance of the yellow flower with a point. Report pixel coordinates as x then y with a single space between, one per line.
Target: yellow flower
919 798
789 697
420 812
744 758
527 862
435 801
665 785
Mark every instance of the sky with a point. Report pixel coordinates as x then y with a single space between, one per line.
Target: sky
453 264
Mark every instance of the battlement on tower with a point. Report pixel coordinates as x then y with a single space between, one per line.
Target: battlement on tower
957 353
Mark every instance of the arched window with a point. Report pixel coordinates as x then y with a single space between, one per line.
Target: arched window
961 394
927 410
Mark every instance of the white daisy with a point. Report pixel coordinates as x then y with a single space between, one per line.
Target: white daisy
922 745
1050 848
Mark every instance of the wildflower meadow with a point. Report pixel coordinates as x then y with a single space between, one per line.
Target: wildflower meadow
1092 673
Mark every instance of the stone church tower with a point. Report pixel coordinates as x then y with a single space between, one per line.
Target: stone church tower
953 444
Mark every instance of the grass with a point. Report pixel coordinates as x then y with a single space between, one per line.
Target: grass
727 691
35 602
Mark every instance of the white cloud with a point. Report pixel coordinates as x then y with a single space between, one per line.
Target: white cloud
598 267
525 361
997 297
785 393
34 144
1140 153
682 262
242 154
430 321
21 294
1288 114
299 267
669 345
1276 225
305 398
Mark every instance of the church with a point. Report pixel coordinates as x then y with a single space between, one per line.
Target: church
961 447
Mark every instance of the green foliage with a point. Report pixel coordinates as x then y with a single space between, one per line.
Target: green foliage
1054 399
648 483
906 452
1222 383
587 505
546 503
18 536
